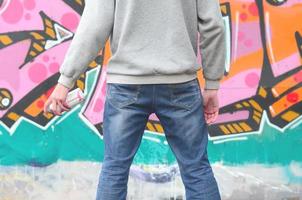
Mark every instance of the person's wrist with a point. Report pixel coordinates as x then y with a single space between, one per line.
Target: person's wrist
211 91
63 86
66 81
211 84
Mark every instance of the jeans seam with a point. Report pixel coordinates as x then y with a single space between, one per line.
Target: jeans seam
133 99
187 106
187 83
153 97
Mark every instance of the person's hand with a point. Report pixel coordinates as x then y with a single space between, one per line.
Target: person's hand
210 103
58 100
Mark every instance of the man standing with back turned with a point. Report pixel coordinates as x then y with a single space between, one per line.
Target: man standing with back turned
152 70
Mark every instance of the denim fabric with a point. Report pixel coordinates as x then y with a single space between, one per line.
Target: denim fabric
179 107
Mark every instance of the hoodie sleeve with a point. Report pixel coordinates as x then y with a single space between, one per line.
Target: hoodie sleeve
212 42
93 30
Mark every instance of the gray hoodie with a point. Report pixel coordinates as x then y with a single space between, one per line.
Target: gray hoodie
152 41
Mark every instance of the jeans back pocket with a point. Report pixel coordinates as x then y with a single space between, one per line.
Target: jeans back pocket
185 95
122 95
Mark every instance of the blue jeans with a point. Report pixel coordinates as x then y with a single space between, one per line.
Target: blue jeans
179 108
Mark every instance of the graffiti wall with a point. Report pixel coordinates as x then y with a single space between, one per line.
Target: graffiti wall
255 144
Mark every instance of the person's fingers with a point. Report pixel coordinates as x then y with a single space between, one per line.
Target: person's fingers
62 105
213 117
210 112
65 104
53 106
46 106
206 115
63 108
210 117
210 121
56 108
207 118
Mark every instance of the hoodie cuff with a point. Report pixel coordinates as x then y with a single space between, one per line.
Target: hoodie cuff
66 81
212 84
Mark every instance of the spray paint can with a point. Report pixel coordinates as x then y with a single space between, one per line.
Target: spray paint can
73 98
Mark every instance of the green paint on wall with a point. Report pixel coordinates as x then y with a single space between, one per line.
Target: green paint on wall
72 139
